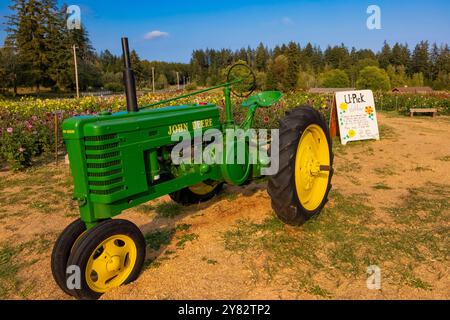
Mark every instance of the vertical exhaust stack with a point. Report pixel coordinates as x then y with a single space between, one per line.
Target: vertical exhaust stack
128 79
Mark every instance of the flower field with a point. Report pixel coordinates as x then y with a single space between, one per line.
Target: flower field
27 126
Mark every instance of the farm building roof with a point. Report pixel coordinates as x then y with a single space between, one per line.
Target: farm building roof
412 90
329 90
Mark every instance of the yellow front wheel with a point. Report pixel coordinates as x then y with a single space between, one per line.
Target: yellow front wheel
300 189
108 255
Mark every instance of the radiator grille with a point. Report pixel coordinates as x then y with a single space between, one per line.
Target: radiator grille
104 165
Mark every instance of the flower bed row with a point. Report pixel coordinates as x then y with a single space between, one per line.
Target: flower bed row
27 126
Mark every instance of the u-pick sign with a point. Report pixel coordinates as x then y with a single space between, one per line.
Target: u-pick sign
357 116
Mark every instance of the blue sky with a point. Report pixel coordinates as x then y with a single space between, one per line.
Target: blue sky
188 25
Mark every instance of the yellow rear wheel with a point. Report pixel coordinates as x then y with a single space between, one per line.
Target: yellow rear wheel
202 192
300 189
312 167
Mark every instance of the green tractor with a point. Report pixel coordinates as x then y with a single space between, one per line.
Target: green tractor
122 160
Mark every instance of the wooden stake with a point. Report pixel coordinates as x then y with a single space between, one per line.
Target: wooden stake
56 138
334 124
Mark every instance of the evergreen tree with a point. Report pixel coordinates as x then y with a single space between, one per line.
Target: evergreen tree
293 55
385 56
420 62
28 31
262 57
400 55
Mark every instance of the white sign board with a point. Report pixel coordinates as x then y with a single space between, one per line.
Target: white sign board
357 116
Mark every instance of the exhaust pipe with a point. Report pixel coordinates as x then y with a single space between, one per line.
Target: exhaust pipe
128 79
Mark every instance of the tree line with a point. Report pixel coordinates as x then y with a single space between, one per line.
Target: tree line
291 66
38 53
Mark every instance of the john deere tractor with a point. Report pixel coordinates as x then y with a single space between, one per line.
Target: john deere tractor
121 160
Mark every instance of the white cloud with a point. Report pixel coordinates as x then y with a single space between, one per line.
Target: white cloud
287 21
155 34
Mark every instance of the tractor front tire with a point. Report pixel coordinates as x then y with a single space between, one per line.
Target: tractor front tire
62 249
199 193
107 256
300 189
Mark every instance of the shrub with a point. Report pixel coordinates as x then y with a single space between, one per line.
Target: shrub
191 86
335 78
373 78
114 87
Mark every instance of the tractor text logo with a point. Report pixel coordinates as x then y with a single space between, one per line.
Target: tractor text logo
74 18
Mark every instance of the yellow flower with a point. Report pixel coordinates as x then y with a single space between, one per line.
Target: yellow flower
343 106
352 133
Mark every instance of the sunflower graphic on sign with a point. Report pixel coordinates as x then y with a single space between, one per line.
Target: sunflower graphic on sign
350 134
370 112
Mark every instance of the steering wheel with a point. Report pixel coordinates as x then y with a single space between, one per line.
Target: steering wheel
242 79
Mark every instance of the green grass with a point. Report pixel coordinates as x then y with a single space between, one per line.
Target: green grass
381 186
210 261
384 171
349 166
347 238
387 132
156 239
8 271
185 238
422 169
183 227
168 209
145 208
43 206
318 291
427 204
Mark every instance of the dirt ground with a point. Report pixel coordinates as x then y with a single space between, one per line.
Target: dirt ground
389 207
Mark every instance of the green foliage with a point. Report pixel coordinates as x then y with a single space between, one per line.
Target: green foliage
335 79
21 139
168 209
114 86
373 78
191 86
161 82
156 239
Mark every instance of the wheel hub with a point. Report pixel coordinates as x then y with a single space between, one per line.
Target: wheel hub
113 265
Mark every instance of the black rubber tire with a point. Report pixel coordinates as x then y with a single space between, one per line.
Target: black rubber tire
186 197
281 187
61 252
88 243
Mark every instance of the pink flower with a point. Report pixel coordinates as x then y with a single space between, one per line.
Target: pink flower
34 118
21 150
10 130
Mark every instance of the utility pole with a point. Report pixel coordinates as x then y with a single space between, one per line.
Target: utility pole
76 70
153 79
178 80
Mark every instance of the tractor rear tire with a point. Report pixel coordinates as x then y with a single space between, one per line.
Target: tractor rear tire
195 194
61 252
300 189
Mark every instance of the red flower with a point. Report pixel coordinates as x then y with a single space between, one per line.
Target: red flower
266 119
